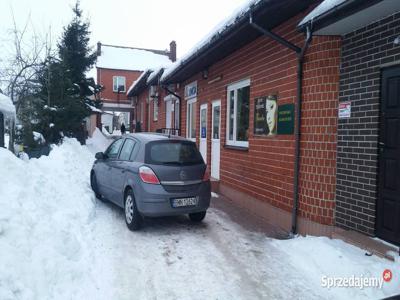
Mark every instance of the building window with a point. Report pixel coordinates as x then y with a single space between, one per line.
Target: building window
155 109
191 119
118 84
238 104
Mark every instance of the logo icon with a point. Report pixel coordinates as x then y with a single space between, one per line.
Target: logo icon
183 175
387 275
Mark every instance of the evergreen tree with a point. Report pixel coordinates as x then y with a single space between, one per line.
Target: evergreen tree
65 89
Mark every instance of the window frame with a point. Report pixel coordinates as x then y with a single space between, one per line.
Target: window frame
132 150
188 124
116 77
235 87
122 141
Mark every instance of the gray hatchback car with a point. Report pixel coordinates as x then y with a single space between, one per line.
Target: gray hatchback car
151 175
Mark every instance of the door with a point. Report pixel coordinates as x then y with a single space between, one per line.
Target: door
168 114
203 131
388 206
104 169
215 138
119 168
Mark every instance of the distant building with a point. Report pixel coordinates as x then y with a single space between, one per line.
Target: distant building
117 68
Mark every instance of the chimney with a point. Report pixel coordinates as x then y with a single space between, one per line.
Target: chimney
172 51
98 48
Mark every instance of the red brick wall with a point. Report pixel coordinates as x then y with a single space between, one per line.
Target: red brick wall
265 171
105 78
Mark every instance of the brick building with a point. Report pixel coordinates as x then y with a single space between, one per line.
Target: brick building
368 151
302 131
117 67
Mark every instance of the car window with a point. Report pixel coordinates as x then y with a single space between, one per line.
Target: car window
173 153
112 151
126 150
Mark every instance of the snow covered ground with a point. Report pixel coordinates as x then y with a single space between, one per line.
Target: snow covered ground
58 242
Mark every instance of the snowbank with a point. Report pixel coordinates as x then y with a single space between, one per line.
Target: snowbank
6 106
315 257
44 206
98 142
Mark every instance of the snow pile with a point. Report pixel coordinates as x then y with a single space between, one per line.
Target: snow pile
316 257
219 29
98 142
45 206
38 138
124 58
321 9
6 106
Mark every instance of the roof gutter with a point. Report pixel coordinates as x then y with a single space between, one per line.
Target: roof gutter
300 53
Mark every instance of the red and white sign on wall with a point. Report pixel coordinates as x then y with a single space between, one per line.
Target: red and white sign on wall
344 110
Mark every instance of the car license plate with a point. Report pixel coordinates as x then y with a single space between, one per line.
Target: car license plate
182 202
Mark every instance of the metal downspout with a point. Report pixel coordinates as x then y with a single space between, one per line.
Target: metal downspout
300 62
300 53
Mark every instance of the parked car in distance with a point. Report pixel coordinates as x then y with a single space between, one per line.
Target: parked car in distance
151 175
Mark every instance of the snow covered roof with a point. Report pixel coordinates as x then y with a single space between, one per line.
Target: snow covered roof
94 109
321 9
213 34
138 82
132 59
154 75
6 106
339 17
232 34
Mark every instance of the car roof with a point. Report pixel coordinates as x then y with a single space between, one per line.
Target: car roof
153 136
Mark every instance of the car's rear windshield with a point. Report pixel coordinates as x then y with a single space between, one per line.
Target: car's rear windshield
173 152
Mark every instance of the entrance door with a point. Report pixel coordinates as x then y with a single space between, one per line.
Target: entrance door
203 131
168 114
388 206
215 138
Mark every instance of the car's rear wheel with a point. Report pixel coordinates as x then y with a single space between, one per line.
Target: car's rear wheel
93 184
197 217
133 218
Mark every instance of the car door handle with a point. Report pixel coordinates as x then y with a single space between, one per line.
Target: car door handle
381 144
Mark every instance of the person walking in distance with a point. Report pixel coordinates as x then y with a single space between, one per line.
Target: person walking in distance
123 129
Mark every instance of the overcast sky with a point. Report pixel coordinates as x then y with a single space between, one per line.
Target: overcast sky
138 23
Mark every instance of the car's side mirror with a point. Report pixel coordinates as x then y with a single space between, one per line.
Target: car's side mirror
100 156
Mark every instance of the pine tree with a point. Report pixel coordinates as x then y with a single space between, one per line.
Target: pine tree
66 90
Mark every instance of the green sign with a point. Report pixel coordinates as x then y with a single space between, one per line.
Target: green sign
286 119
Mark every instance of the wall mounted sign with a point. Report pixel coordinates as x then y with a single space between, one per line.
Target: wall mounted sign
265 115
344 110
191 90
286 119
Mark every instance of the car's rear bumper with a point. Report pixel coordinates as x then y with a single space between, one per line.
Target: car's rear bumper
155 201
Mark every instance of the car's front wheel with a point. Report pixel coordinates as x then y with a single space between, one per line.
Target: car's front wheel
197 217
133 218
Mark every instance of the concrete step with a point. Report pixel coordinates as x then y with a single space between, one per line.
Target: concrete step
371 245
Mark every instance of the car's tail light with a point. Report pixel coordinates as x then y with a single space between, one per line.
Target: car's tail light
206 175
148 176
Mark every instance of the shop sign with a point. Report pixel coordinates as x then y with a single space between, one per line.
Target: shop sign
286 119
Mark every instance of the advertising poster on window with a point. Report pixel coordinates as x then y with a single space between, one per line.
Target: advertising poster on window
266 115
